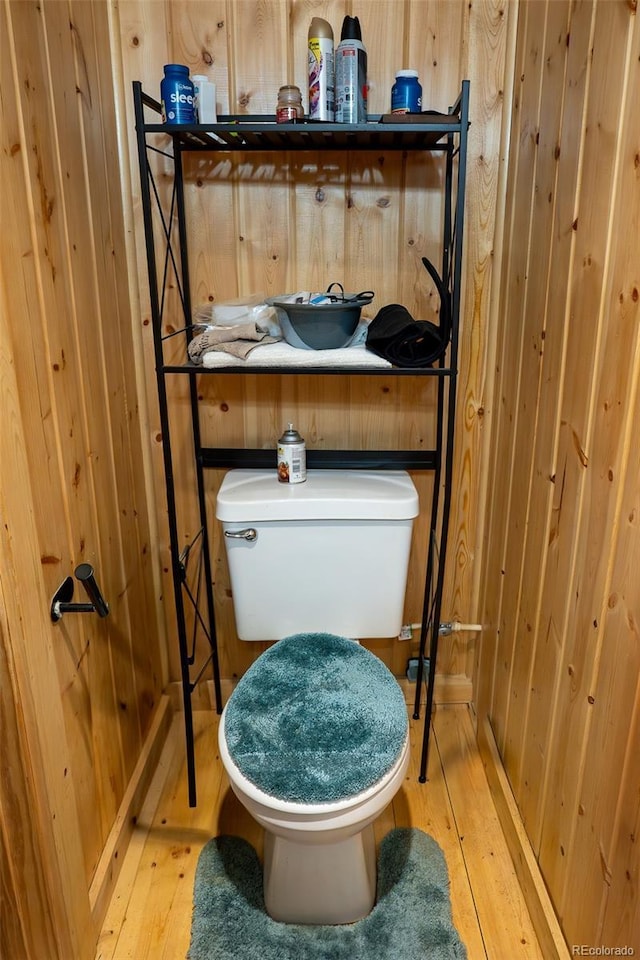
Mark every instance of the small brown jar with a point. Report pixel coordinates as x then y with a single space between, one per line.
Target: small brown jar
289 108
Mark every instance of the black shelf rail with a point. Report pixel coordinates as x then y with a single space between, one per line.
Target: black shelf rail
167 263
255 459
248 367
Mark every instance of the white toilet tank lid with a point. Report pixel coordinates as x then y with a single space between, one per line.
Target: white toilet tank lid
255 495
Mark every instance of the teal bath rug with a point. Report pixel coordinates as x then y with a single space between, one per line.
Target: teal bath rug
411 919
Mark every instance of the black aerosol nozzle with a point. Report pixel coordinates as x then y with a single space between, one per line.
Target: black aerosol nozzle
351 29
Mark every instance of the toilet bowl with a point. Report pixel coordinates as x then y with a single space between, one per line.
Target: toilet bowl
314 738
319 860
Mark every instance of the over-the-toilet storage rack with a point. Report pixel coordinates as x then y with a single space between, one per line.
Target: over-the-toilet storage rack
446 135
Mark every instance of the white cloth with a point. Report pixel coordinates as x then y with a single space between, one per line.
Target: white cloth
282 354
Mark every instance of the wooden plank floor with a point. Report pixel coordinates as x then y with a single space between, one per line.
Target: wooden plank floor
150 915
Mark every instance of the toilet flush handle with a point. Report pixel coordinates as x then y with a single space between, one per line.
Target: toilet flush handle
249 534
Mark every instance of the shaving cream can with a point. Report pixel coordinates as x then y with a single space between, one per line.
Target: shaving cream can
351 74
292 457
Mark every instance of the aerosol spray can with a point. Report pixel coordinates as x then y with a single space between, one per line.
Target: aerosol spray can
292 457
351 74
321 71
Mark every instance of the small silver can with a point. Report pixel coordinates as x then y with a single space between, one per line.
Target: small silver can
292 457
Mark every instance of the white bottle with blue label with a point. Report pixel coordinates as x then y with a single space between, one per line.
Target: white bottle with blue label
177 95
205 94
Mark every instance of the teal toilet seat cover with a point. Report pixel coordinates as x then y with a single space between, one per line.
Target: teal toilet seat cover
316 719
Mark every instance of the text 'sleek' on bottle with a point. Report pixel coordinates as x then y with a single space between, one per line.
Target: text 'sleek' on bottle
177 95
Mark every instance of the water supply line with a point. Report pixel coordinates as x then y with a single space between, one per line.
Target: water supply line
450 626
454 626
445 629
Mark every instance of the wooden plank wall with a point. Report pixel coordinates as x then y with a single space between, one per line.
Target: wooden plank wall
544 539
81 694
274 223
559 670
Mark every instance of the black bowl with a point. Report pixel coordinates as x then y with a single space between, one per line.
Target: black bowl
324 326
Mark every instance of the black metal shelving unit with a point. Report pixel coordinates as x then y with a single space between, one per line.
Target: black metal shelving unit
167 261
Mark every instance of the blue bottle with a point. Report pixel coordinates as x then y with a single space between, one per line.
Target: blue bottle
177 95
406 93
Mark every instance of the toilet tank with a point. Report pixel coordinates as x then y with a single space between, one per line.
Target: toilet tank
329 555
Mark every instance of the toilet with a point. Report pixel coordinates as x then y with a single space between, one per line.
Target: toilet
314 738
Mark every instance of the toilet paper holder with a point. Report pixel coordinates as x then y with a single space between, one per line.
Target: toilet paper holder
61 602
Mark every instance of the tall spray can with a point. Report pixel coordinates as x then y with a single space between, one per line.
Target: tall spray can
321 71
351 74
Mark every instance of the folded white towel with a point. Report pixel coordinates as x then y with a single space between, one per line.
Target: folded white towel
282 354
